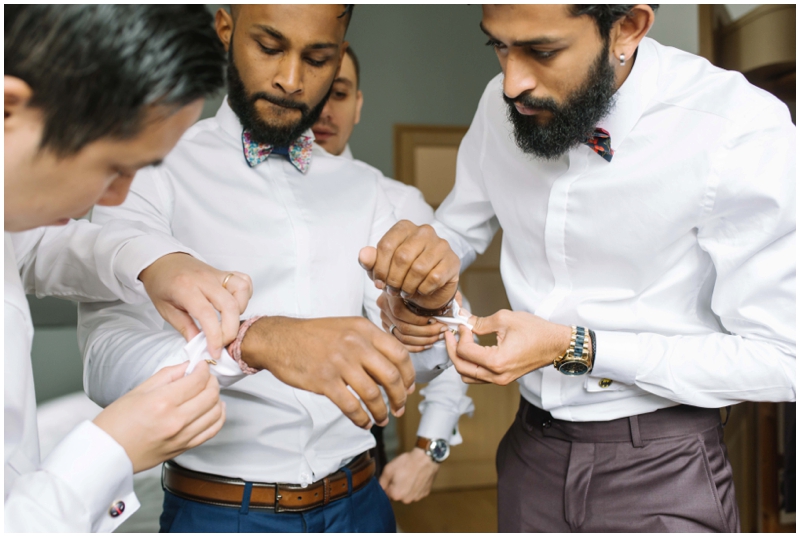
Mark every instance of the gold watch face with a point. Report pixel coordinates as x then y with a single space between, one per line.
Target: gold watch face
574 368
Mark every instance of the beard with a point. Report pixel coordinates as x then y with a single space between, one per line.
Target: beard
261 131
572 121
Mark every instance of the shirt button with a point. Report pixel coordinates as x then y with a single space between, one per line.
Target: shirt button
605 383
117 509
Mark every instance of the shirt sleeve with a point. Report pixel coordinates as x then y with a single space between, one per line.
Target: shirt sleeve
75 488
84 261
748 228
445 401
124 344
466 218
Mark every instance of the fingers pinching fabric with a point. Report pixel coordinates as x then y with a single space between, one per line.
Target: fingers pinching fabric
457 318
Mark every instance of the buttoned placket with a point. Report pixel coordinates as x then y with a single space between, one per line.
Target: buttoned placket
555 250
283 174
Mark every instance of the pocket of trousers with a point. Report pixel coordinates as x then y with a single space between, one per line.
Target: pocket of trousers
712 484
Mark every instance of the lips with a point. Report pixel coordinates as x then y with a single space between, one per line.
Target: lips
323 134
526 111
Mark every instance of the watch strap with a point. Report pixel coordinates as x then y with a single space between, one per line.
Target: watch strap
416 309
424 443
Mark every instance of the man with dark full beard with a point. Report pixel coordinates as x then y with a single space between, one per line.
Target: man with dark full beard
248 189
647 200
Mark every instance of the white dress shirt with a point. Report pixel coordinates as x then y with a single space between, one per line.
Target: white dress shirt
298 237
74 488
679 253
445 396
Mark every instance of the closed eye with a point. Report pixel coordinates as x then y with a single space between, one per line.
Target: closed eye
267 50
494 43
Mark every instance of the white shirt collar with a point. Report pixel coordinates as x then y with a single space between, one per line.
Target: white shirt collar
634 94
347 153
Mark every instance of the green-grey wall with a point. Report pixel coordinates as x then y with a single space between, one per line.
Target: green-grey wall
419 64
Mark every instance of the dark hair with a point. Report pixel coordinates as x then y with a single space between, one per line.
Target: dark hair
604 15
350 52
348 12
94 70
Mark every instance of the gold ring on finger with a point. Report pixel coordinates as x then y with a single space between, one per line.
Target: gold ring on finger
227 279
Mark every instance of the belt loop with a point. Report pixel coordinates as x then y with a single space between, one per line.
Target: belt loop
636 437
326 491
248 488
349 475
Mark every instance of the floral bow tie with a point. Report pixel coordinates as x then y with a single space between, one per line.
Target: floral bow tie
298 153
600 143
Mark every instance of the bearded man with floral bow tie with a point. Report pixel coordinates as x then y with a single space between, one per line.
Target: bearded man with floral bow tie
647 201
249 189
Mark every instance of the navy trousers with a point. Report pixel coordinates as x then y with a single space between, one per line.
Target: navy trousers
366 510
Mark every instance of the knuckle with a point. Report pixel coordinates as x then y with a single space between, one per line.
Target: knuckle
351 406
393 376
435 278
372 394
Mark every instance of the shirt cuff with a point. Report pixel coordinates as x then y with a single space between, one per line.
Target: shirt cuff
618 356
99 471
437 422
225 368
430 363
139 253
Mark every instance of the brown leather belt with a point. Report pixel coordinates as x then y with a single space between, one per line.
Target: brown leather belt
229 492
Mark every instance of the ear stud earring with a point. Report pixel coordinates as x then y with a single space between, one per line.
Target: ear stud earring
622 59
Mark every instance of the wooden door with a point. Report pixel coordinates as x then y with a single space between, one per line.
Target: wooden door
425 157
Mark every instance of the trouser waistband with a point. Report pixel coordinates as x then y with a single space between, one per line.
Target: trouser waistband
665 423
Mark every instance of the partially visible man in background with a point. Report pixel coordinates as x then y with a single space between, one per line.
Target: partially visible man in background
93 93
408 477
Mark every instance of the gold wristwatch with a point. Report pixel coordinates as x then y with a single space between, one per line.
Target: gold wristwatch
576 361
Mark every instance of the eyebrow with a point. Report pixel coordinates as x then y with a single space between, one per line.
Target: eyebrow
528 42
345 81
269 30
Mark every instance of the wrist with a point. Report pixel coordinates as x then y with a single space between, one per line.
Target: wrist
143 275
424 311
562 335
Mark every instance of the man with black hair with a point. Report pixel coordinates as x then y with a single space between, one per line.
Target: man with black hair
93 93
248 189
647 200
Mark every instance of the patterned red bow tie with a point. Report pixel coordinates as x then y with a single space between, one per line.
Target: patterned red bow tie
298 153
600 143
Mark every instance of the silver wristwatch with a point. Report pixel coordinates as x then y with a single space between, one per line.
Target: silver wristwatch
437 449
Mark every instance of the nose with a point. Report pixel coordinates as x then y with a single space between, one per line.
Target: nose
327 110
518 77
289 77
117 191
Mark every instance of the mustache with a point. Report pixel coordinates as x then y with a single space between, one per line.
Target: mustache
285 103
528 101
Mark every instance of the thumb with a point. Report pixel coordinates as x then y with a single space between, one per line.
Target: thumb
367 258
163 377
386 476
486 325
